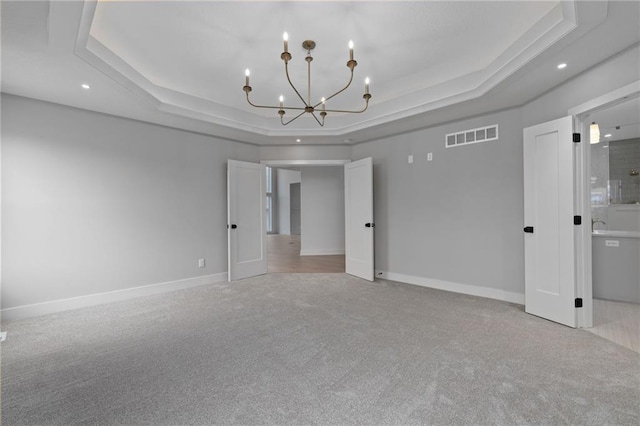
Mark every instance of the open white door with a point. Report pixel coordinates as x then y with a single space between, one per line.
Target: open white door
247 235
549 221
358 203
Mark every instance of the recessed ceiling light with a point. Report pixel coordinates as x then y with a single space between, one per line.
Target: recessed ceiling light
298 140
85 86
608 135
562 66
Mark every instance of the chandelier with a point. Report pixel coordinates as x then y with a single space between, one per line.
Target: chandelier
307 106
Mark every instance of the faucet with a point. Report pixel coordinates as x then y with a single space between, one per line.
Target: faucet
594 221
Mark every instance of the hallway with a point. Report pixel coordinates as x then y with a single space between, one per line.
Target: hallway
283 252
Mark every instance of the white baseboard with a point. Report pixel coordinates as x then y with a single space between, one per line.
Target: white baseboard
53 306
320 252
491 293
36 309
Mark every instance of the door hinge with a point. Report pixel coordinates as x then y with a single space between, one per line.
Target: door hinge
576 137
578 303
577 220
528 229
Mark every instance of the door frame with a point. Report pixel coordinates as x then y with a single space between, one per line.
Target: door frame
290 163
582 192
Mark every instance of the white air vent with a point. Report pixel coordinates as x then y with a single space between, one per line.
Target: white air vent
482 134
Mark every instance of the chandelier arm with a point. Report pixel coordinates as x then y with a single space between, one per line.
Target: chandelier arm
272 107
353 112
321 124
338 92
286 71
293 119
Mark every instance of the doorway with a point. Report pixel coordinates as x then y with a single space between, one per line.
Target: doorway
608 238
614 144
248 210
307 219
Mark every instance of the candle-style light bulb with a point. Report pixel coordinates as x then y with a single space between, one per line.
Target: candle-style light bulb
285 37
366 86
351 50
323 105
281 99
247 73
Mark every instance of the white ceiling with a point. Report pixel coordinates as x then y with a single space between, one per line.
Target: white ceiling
182 64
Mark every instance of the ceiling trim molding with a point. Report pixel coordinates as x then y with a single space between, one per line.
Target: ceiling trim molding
131 80
557 24
106 61
607 100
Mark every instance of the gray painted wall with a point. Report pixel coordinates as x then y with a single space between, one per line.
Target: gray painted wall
94 203
285 178
322 202
457 218
295 209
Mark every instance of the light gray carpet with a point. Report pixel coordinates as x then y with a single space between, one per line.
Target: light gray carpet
312 349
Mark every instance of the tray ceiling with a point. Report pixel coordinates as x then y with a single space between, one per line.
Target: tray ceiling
182 63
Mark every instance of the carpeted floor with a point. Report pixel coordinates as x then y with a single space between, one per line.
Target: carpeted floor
312 349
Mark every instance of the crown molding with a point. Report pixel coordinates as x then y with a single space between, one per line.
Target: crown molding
557 24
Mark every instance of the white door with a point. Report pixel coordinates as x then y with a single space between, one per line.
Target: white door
358 202
548 219
247 219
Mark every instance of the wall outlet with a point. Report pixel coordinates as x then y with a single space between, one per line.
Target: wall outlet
612 243
410 159
201 263
430 156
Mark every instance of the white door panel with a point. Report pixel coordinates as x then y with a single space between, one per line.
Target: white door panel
359 250
246 194
548 210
